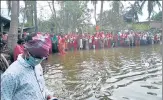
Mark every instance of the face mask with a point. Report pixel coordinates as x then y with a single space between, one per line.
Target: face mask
33 61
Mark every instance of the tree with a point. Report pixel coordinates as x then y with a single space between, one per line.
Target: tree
94 4
35 15
134 10
101 12
111 21
74 15
150 5
13 31
29 5
54 24
117 7
23 13
157 16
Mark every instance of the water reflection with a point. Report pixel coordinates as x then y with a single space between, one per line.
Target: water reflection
107 74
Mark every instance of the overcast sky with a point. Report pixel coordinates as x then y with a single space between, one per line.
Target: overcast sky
44 11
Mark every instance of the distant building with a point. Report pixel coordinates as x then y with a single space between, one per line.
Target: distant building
5 26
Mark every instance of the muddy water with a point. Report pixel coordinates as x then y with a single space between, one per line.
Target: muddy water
108 74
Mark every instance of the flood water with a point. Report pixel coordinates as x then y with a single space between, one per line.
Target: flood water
107 74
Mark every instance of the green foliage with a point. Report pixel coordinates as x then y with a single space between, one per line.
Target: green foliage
28 24
72 15
140 26
112 21
157 16
134 11
150 6
44 26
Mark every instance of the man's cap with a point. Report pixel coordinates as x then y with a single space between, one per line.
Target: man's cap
37 48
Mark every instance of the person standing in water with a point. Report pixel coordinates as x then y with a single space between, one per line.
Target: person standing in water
23 80
55 44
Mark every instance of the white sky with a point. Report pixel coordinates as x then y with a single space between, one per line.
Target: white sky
44 11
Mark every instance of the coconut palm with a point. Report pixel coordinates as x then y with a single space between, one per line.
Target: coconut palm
134 10
150 6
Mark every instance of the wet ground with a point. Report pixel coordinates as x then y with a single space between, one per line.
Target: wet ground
108 74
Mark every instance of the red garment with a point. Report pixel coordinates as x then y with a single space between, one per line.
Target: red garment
75 44
109 43
125 35
19 49
115 38
155 37
61 46
122 39
110 35
93 40
49 42
25 33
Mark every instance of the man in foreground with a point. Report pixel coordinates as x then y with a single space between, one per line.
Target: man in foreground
23 80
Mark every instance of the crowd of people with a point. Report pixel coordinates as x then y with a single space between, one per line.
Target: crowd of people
60 43
73 41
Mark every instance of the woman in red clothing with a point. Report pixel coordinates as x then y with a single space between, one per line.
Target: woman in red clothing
61 45
122 39
109 40
19 48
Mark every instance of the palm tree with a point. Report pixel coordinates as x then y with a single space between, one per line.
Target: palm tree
157 16
94 4
150 5
134 10
13 31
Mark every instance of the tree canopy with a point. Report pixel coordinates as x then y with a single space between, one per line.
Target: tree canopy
157 16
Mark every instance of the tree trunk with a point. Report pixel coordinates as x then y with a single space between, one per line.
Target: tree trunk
101 13
23 22
29 12
95 15
162 33
13 31
55 15
18 8
35 14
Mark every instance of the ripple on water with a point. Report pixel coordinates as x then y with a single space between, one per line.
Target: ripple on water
111 74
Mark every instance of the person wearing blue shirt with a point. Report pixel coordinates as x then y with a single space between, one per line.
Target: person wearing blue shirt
23 80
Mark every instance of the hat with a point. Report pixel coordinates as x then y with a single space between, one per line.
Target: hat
37 48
